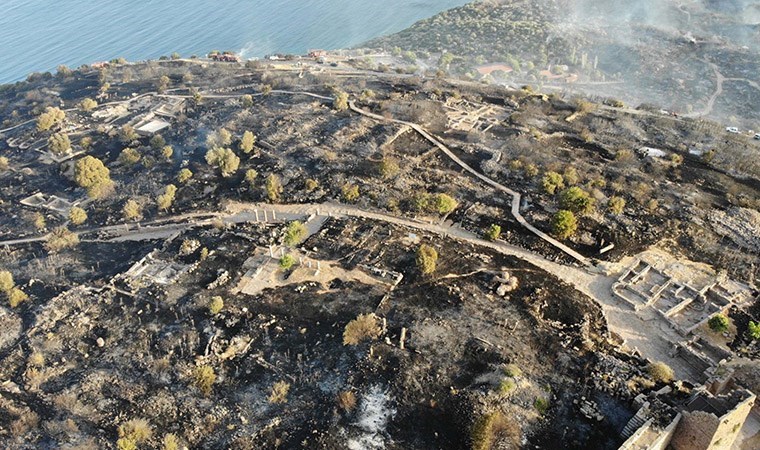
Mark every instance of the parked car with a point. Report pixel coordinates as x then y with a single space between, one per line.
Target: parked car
757 136
732 129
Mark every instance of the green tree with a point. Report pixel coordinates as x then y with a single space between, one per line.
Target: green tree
295 233
184 175
250 176
576 200
349 192
215 305
552 181
219 138
127 134
223 159
427 258
165 200
51 117
6 281
88 104
340 103
719 323
247 142
91 174
59 143
16 296
60 239
287 262
157 142
273 187
564 224
753 329
163 84
129 157
131 210
493 232
77 215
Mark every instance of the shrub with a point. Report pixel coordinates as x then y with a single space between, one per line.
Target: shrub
215 305
753 329
184 176
163 84
279 392
4 164
77 215
530 170
16 296
442 203
349 192
129 157
552 181
59 143
287 262
490 428
364 327
6 281
51 117
427 258
223 159
660 372
616 205
541 404
340 103
346 400
493 232
247 142
204 379
564 224
295 233
512 371
576 200
60 239
136 430
171 442
39 222
311 184
388 168
507 385
676 159
219 138
719 323
167 151
246 100
131 210
88 104
273 187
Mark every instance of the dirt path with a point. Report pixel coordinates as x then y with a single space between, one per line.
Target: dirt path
515 195
719 79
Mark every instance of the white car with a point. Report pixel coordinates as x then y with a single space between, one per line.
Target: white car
732 129
757 136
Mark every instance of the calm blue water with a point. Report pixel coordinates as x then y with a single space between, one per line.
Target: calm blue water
38 35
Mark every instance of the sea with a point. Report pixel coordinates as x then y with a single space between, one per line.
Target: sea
40 35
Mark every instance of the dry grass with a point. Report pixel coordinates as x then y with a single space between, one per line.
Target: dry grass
279 392
360 329
347 400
